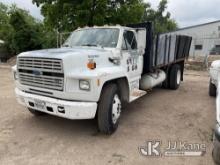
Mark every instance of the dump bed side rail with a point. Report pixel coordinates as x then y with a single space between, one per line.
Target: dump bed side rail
163 49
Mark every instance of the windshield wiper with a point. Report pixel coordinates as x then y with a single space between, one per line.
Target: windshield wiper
93 45
89 45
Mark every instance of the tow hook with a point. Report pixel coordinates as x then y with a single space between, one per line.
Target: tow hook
61 109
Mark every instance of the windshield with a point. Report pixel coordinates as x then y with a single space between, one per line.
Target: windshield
104 37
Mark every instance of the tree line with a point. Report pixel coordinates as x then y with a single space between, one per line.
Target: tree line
22 32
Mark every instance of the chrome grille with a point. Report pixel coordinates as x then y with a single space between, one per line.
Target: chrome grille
42 73
44 64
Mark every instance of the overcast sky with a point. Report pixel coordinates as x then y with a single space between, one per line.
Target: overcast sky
186 13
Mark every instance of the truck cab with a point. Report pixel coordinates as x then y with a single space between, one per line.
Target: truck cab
94 73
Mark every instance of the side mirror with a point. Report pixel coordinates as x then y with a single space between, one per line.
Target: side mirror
115 60
116 57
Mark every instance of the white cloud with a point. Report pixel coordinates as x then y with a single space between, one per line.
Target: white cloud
192 12
27 5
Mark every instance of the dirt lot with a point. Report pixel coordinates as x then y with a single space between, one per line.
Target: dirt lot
186 115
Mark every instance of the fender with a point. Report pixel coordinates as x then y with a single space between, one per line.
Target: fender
99 77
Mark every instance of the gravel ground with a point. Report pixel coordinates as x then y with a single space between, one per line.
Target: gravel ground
187 114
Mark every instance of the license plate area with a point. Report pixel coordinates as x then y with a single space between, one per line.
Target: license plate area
40 104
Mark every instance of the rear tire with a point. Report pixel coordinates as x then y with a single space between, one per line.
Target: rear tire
212 89
175 77
109 109
36 113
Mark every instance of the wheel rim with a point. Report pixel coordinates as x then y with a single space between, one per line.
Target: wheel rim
178 77
116 109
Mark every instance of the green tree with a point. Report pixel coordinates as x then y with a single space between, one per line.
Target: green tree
161 18
47 36
66 15
5 28
25 36
21 32
4 21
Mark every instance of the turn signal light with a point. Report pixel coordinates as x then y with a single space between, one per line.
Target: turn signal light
91 65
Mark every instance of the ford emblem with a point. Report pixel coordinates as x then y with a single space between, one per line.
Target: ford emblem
37 72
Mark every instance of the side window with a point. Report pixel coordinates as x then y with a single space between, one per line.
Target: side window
130 40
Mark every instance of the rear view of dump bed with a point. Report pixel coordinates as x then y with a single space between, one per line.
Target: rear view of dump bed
164 49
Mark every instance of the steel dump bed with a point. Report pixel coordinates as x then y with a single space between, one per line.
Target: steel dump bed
163 49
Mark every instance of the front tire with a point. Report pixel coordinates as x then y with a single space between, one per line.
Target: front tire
212 89
175 77
109 109
36 113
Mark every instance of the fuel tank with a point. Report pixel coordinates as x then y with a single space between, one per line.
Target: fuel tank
148 81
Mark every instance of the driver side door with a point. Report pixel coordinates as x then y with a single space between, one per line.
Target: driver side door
134 60
131 54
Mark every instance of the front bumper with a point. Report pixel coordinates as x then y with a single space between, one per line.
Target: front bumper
57 107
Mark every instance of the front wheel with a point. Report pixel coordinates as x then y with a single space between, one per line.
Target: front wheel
109 109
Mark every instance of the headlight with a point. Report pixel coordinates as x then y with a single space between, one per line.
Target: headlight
15 75
84 85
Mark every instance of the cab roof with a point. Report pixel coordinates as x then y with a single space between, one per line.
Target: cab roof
107 26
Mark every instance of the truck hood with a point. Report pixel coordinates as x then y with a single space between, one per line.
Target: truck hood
74 58
61 53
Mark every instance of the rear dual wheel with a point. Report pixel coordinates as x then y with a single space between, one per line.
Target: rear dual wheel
173 79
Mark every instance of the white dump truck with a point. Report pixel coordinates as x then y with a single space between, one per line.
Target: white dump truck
214 90
98 70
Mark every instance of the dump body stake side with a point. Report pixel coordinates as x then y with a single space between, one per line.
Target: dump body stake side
98 70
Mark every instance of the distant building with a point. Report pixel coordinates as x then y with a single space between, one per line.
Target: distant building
206 38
